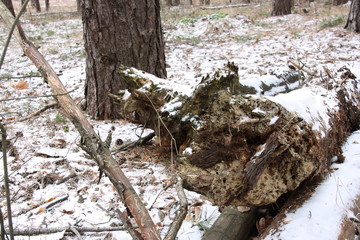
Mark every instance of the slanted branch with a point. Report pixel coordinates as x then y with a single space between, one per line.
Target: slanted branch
247 142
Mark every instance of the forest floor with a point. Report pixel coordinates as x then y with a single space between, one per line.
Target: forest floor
44 147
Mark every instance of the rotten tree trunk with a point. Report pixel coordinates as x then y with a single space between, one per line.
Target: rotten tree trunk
90 141
243 143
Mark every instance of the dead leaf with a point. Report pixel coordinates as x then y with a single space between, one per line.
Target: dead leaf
68 211
21 85
58 143
40 210
50 200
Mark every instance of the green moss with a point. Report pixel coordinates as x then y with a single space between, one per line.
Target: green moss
331 22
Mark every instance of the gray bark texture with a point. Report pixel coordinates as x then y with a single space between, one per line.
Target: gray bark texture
237 144
119 33
281 7
353 21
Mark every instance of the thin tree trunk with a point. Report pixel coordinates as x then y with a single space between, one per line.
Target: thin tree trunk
36 4
90 141
281 7
353 21
47 5
78 5
123 32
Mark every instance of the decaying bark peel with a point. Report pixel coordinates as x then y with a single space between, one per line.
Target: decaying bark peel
91 142
241 146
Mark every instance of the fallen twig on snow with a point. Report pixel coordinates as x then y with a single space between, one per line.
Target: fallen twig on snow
227 6
176 224
302 68
140 141
52 105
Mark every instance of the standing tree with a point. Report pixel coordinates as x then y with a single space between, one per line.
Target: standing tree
119 32
353 21
281 7
78 5
339 2
36 4
47 5
172 2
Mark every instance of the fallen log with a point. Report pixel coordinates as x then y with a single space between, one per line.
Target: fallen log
245 142
232 225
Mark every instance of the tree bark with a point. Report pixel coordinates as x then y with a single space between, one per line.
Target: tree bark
78 5
353 21
90 142
232 225
124 32
242 144
47 5
339 2
281 7
36 4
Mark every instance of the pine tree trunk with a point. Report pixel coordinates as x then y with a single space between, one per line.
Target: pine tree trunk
339 2
122 32
353 21
281 7
47 5
36 4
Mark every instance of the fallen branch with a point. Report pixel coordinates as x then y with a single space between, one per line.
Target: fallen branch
232 224
60 181
40 231
227 6
176 224
91 142
301 68
140 141
52 105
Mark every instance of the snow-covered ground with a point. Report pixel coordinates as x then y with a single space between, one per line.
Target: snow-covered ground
45 147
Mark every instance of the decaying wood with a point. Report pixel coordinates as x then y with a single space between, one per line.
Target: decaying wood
91 143
238 145
232 225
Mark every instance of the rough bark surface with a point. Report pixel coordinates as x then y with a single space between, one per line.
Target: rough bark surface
281 7
115 33
36 4
237 145
47 5
353 21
